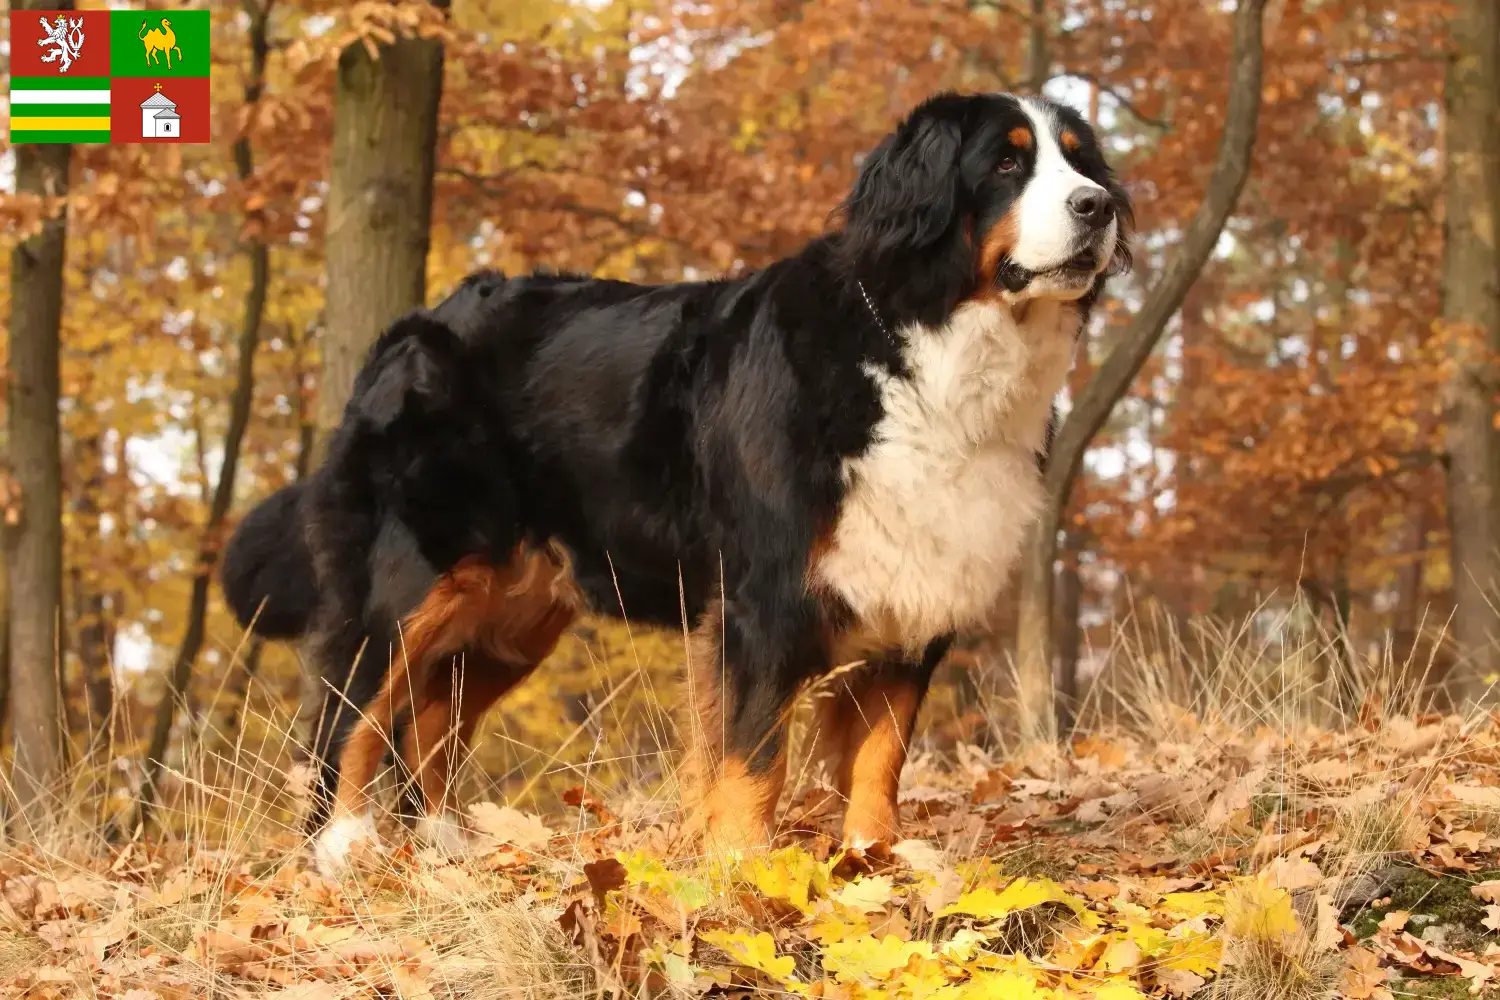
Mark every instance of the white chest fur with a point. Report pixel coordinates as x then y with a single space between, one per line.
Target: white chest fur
937 509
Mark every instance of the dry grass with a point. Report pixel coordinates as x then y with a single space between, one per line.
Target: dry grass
1211 749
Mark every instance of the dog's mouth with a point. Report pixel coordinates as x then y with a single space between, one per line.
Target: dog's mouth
1084 261
1077 269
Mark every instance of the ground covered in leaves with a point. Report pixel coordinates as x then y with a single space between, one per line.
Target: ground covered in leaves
1217 861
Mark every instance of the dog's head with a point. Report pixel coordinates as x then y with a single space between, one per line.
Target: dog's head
984 195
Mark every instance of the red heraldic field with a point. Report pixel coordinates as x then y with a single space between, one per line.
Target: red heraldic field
59 76
170 109
110 76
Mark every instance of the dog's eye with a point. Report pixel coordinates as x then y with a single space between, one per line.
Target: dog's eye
1009 165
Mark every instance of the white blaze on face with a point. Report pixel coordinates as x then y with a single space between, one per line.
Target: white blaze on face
1049 231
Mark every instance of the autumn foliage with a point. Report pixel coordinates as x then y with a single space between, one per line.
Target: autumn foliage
1270 502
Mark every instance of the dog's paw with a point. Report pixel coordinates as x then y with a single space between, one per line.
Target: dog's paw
444 833
342 839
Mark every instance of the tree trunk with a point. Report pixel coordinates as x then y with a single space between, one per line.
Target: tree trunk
1471 309
35 556
379 204
4 634
90 628
1069 639
1038 59
1092 407
234 435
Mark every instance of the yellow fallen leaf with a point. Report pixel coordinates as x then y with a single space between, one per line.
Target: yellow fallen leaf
1117 989
1121 955
1200 953
1257 911
960 947
1192 904
756 951
1001 986
1021 894
687 893
865 895
868 961
1491 917
790 874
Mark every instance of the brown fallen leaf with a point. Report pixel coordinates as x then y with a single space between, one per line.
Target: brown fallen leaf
1362 974
507 825
1488 890
1291 874
1476 972
1100 891
604 875
1485 797
578 798
1109 755
1182 983
1395 921
991 787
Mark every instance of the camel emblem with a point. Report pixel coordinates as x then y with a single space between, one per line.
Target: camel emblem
159 40
66 39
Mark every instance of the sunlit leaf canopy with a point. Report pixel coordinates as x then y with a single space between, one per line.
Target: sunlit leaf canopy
1285 431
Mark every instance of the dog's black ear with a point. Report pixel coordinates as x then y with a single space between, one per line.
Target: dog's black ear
414 367
906 197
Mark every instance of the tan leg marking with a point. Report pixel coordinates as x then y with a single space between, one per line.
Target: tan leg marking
727 806
863 731
435 742
511 615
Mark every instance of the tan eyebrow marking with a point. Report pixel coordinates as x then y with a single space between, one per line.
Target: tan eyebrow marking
1020 137
1069 140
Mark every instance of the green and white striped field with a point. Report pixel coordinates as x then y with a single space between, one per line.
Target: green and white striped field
59 109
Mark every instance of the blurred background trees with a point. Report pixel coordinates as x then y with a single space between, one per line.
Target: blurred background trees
1308 451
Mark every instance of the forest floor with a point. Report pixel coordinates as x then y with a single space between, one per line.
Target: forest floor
1253 862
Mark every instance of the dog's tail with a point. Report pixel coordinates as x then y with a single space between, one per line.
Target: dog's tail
267 573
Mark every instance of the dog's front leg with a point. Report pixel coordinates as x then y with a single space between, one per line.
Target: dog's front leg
864 730
745 667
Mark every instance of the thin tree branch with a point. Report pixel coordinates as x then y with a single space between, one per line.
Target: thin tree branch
1130 106
1111 381
1232 167
239 418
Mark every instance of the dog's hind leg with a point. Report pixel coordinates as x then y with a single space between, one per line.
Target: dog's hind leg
359 761
503 620
434 744
354 666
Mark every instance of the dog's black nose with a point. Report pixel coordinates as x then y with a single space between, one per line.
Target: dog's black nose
1092 205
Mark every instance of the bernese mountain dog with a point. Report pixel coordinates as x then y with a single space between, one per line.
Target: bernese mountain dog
834 459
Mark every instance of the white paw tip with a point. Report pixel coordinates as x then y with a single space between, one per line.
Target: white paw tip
444 833
864 841
338 839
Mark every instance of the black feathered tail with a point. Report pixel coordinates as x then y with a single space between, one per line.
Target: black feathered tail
267 573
